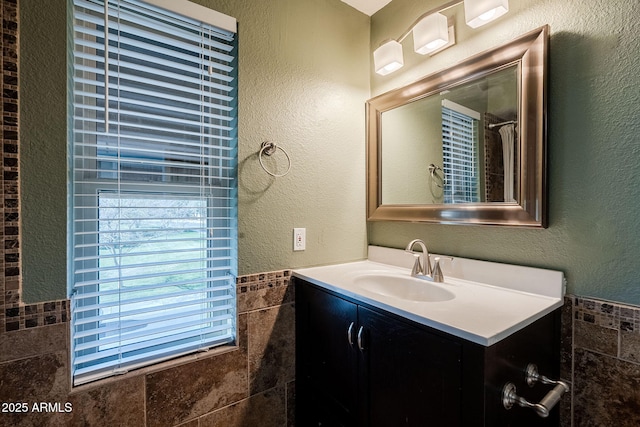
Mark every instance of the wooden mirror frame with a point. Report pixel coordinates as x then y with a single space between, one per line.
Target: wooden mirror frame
529 52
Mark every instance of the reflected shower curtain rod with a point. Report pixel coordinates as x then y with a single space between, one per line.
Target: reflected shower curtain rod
493 125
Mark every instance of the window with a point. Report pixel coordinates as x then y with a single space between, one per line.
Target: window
460 153
153 183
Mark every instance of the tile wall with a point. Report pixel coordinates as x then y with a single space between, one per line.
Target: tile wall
253 384
601 358
248 385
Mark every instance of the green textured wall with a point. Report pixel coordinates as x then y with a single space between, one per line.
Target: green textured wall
43 150
303 77
593 140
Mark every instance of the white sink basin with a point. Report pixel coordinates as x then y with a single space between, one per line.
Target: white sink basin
401 287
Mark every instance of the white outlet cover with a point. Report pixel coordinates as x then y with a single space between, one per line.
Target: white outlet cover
299 239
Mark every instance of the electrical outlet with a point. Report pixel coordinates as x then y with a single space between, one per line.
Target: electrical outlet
299 239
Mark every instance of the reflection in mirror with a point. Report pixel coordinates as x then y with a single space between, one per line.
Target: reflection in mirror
456 146
466 144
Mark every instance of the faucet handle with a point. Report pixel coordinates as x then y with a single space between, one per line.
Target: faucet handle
417 265
437 271
437 275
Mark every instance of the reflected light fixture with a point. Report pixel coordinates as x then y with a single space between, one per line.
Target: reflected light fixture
431 31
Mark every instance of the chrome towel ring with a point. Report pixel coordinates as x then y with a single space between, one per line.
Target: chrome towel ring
269 148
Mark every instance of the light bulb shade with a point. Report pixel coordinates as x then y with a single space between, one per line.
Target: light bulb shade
388 58
430 34
480 12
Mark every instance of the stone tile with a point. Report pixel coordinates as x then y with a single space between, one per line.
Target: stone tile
117 403
43 378
630 346
192 423
185 392
607 391
594 337
566 339
266 409
260 298
32 342
271 347
565 406
291 404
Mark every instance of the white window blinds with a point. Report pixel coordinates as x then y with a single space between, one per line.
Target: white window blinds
153 192
460 153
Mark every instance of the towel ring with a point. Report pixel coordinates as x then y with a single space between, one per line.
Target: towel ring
268 149
432 172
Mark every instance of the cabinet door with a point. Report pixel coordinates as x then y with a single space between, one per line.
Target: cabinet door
409 377
328 362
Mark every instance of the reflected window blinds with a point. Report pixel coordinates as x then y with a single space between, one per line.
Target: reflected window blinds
460 153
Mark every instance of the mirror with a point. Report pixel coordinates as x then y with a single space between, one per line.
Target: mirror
464 145
448 146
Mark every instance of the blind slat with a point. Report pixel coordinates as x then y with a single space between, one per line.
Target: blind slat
123 312
149 343
88 296
136 334
110 366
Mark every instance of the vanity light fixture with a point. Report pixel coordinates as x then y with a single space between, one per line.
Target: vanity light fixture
431 31
430 34
388 58
480 12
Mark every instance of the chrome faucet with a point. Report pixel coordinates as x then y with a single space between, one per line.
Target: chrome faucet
422 266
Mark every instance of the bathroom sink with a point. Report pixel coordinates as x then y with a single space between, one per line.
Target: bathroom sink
402 287
480 301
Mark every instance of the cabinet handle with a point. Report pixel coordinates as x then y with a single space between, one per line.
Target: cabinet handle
360 331
350 334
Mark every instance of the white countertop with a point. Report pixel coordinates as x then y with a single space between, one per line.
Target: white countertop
508 298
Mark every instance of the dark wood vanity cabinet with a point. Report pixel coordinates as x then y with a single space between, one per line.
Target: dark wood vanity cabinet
407 376
357 365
